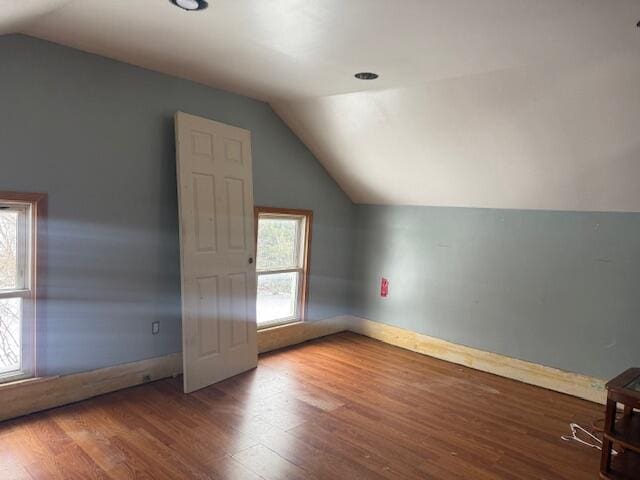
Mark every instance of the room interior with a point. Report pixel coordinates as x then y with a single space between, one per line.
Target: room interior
286 239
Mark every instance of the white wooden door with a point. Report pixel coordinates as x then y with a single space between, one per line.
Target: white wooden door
215 196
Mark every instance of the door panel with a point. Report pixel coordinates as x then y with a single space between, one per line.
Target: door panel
240 324
215 194
208 315
235 204
204 210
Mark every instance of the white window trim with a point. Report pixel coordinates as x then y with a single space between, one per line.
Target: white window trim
303 254
34 211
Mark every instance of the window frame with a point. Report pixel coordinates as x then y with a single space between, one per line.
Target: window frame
305 257
35 205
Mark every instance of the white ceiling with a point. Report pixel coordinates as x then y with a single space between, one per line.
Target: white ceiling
486 103
564 139
15 14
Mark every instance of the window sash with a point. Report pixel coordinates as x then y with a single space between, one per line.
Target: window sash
24 294
277 270
23 250
302 245
26 365
298 253
24 289
298 299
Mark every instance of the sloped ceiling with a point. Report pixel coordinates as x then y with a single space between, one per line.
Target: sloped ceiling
16 14
482 103
565 139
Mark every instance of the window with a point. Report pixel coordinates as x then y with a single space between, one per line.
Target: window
282 264
18 233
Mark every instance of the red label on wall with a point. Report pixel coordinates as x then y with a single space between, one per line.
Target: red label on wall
384 287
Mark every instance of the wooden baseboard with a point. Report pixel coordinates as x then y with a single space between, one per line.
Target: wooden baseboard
36 394
292 334
575 384
29 396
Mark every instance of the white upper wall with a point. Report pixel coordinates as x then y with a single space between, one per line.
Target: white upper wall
484 103
560 139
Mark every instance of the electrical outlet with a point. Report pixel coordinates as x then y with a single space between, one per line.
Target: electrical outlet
155 328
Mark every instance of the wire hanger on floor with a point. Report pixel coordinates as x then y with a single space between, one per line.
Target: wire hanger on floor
575 429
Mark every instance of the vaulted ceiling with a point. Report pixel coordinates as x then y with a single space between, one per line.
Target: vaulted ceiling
482 103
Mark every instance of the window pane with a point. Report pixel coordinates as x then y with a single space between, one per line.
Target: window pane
8 249
10 335
277 297
277 243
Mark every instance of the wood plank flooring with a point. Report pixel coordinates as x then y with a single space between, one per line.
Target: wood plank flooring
342 407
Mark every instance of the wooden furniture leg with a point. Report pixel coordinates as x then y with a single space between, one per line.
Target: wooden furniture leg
610 417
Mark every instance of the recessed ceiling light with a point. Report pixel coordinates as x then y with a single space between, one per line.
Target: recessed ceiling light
366 76
190 5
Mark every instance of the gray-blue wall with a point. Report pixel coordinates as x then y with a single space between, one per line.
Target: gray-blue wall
555 288
97 136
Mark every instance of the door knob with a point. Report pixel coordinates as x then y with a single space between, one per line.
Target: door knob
250 260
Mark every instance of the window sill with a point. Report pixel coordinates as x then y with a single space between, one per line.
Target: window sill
277 326
293 333
24 382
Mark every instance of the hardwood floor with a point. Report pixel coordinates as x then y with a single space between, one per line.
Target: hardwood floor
342 407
